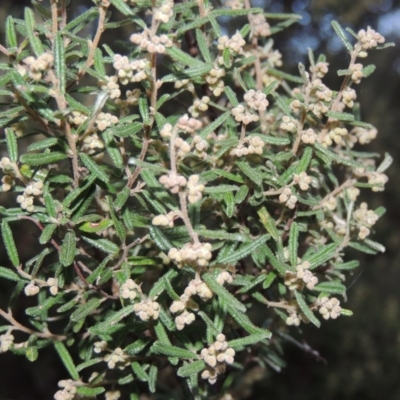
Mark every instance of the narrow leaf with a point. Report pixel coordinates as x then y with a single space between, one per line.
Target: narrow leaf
94 168
172 351
59 61
342 35
306 310
68 249
67 360
331 288
238 344
293 243
190 369
12 146
103 244
85 309
9 243
7 273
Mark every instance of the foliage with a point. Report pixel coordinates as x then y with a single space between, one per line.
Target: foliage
216 185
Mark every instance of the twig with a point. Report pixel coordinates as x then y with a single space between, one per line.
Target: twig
8 316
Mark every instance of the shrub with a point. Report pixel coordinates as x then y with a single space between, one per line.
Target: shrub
187 222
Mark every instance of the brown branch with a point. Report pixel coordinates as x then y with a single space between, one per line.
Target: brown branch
8 316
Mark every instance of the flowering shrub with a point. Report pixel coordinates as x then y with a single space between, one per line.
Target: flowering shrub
193 200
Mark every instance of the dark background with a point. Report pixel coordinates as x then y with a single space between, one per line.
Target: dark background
362 353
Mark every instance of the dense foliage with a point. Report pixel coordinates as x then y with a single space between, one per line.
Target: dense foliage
187 222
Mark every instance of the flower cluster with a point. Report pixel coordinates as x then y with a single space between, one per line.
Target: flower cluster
68 391
147 309
241 114
365 219
259 26
217 356
164 12
105 120
130 71
38 66
166 220
116 359
196 255
9 174
111 86
254 146
303 180
189 125
199 106
151 43
26 198
6 341
215 80
256 100
173 182
236 43
369 38
302 276
194 189
129 289
329 308
288 198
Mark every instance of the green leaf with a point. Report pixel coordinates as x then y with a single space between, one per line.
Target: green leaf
184 58
7 273
136 347
32 353
283 75
159 286
331 288
122 7
153 372
59 61
269 280
43 144
222 292
42 158
231 96
244 321
43 307
277 264
68 249
85 309
305 160
160 239
375 245
139 371
241 194
368 70
172 351
95 227
103 244
341 116
67 360
268 222
239 344
342 35
47 233
12 146
386 163
192 368
243 251
214 125
89 392
11 36
121 198
251 173
321 256
113 319
305 309
348 265
30 24
94 168
203 46
9 243
293 243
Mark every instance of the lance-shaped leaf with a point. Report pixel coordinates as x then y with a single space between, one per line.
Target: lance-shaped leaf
239 344
250 172
342 35
139 371
103 244
68 249
43 158
59 61
305 160
136 347
30 23
94 168
89 392
85 309
114 319
322 255
153 372
190 369
214 125
172 351
159 286
9 243
7 273
121 6
223 293
331 288
11 36
305 309
67 360
243 251
44 306
203 46
268 222
160 239
12 146
293 243
348 265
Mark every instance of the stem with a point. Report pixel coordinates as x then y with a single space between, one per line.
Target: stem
4 51
54 17
8 316
339 189
186 219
